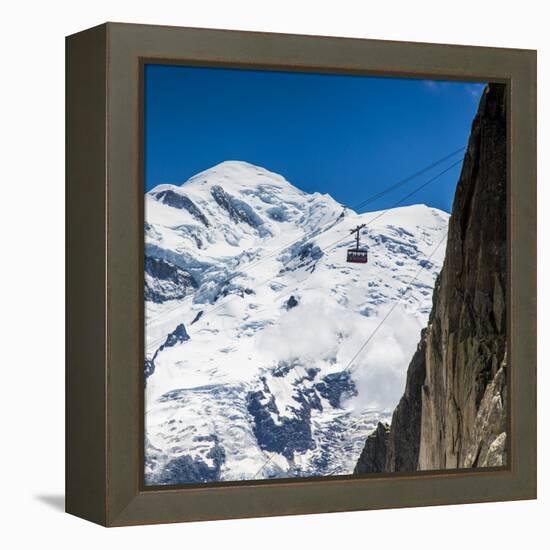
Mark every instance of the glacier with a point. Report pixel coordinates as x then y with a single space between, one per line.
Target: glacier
252 317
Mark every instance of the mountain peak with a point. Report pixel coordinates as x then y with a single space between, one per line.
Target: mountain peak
237 173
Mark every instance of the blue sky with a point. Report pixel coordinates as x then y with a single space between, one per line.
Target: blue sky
350 136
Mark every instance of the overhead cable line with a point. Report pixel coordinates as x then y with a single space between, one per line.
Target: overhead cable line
330 224
377 328
398 184
399 299
150 345
362 204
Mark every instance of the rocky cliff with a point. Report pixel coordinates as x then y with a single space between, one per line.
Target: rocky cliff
373 457
453 411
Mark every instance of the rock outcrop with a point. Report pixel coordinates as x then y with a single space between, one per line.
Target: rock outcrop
165 281
488 445
373 457
453 411
404 439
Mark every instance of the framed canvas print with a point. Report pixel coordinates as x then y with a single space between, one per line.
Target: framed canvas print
301 274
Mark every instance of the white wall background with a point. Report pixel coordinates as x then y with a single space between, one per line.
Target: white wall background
32 272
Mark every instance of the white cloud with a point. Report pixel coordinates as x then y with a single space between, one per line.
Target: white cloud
380 371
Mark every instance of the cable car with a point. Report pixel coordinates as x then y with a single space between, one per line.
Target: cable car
357 255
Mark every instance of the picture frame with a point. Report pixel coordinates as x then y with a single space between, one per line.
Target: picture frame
104 274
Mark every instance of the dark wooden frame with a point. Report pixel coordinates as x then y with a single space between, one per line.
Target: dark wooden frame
104 385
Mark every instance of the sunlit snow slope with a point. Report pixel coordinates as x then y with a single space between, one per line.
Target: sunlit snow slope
253 315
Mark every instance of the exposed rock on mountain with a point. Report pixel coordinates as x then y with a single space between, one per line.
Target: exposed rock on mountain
291 302
453 412
238 210
178 336
176 200
165 281
488 445
404 443
373 457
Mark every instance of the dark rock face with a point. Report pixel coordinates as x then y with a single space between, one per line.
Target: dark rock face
197 316
289 431
303 256
291 302
238 210
185 469
177 336
335 386
453 411
373 457
466 338
287 435
165 281
177 200
404 438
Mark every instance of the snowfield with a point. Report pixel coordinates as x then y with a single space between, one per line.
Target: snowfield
252 319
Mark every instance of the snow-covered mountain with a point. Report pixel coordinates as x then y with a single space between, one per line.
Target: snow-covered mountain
252 319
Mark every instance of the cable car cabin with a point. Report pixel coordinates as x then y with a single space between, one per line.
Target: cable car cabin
358 256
